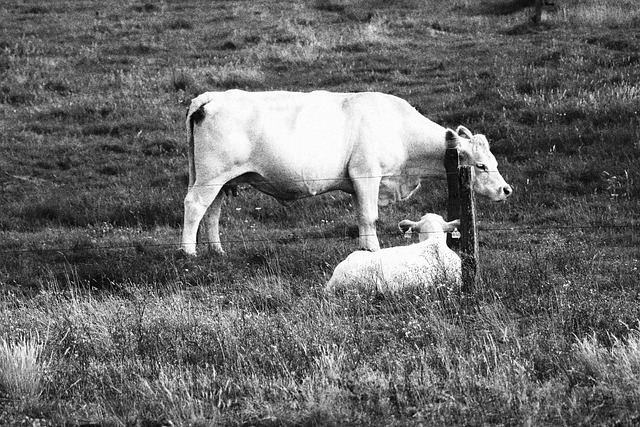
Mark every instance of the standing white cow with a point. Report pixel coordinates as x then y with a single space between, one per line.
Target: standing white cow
292 145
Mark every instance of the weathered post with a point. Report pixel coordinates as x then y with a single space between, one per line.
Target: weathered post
468 232
537 15
453 204
462 204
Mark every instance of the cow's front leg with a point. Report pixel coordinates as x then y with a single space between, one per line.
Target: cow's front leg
366 197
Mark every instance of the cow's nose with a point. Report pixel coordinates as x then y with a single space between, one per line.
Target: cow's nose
507 190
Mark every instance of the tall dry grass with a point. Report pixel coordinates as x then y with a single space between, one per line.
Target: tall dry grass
22 367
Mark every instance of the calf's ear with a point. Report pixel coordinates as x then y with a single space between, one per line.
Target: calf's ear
451 225
406 226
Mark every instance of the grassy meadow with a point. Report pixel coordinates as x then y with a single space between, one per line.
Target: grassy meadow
103 321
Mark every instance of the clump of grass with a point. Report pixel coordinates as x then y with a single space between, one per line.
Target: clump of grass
191 82
181 393
293 43
607 378
233 76
15 94
329 5
615 368
228 76
22 367
179 24
36 10
601 13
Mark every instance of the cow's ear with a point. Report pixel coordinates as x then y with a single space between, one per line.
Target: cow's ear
452 139
464 132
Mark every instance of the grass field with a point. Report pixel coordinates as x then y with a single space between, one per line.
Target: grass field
103 322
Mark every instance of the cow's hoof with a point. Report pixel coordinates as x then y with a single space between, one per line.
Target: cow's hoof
182 254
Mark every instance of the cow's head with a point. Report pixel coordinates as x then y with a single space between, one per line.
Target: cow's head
474 151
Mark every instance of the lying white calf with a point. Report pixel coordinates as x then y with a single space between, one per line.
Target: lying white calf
425 264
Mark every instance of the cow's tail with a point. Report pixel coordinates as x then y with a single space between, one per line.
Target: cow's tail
195 115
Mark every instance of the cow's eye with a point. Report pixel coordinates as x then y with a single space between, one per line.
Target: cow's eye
481 166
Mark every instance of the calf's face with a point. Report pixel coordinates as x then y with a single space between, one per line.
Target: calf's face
430 226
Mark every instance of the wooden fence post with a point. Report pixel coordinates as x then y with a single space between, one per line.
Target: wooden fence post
453 204
462 204
537 14
468 232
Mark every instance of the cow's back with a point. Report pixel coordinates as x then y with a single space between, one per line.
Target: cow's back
299 115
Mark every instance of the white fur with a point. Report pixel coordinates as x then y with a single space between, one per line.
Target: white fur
425 264
293 145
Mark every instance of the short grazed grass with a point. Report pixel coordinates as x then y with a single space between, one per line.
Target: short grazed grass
102 321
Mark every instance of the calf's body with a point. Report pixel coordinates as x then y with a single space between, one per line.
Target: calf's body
425 264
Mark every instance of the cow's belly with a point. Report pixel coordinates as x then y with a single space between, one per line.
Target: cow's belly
288 188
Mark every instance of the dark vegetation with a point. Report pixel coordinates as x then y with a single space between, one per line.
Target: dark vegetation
130 332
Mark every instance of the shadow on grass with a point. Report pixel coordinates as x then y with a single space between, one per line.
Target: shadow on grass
505 7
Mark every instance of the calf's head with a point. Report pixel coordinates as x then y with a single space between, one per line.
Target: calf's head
474 151
429 227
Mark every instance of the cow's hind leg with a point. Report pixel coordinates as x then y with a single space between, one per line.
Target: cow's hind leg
196 203
366 198
212 224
